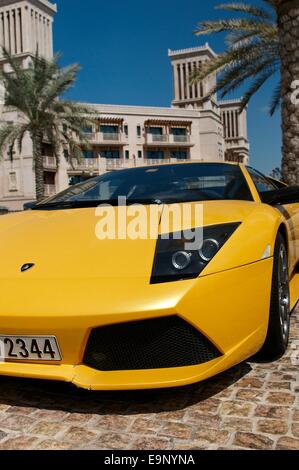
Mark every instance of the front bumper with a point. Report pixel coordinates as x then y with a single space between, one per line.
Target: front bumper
227 307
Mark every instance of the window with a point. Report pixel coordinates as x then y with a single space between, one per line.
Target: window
127 154
155 130
66 154
139 153
87 129
126 130
87 153
106 129
109 154
12 181
49 178
47 149
138 131
262 184
155 154
178 131
179 154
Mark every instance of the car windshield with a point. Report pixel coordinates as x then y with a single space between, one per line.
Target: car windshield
157 184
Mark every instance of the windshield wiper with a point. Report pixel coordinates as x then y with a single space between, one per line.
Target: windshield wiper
77 204
64 205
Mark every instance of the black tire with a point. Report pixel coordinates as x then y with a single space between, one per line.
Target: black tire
277 339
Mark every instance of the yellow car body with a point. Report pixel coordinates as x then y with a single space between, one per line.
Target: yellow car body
80 283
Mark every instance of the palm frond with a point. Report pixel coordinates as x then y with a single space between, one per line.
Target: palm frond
252 55
240 38
225 25
276 99
255 86
231 56
246 8
11 133
5 134
59 84
234 77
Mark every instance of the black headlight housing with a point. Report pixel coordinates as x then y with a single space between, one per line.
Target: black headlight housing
174 262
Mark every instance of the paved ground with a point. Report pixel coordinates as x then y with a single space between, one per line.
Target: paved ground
253 406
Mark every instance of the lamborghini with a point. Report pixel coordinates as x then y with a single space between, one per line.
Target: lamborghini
129 312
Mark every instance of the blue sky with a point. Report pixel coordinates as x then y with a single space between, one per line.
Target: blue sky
122 49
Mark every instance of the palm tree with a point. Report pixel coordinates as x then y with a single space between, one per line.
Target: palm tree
35 92
262 43
276 173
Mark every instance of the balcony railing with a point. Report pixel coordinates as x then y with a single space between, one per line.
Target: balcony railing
159 138
84 164
118 163
111 164
90 135
103 137
155 161
50 163
49 189
118 138
114 137
167 139
180 138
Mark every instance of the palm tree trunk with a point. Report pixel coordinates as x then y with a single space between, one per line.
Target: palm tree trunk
288 22
38 166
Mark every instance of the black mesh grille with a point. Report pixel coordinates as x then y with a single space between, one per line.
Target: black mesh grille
148 344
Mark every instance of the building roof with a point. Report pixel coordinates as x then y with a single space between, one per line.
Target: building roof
155 111
192 50
43 4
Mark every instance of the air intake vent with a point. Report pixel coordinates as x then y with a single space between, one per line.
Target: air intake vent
149 344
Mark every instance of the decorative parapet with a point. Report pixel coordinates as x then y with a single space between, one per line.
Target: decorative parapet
102 109
192 50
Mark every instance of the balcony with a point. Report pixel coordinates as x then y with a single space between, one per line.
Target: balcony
117 163
110 137
84 164
168 140
49 190
104 138
122 164
158 138
50 163
181 139
157 161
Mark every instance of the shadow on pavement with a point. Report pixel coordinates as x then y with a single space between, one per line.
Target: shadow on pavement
49 395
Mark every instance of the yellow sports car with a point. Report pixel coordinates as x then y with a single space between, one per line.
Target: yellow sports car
103 285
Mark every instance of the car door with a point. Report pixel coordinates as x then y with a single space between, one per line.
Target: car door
289 211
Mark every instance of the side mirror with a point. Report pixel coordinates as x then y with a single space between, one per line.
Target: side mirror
287 195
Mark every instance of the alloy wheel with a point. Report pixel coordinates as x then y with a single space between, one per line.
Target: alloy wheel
284 293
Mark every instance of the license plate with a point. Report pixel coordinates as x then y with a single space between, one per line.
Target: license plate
29 348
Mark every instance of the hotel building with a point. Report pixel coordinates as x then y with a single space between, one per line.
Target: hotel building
194 127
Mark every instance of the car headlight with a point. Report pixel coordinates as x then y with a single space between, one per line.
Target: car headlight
174 261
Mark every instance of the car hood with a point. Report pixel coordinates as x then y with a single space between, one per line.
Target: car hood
62 244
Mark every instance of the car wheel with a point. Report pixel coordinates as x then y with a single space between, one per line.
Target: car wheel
279 319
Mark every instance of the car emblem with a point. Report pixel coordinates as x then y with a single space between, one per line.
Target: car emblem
27 266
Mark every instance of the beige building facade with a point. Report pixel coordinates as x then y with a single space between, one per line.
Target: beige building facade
192 128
